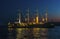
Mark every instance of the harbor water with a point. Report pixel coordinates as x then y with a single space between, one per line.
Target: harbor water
30 33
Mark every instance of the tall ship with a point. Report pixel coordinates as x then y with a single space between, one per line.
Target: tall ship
31 22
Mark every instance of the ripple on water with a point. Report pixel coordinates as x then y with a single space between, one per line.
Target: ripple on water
54 33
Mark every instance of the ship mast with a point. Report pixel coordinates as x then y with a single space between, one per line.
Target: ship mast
28 16
37 16
46 15
19 17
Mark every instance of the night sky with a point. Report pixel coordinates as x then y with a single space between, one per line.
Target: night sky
9 8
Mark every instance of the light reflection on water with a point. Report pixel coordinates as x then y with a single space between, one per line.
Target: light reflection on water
31 33
34 33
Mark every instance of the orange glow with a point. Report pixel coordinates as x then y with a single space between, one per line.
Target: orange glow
36 19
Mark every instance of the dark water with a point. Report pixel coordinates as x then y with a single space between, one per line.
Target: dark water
3 32
53 33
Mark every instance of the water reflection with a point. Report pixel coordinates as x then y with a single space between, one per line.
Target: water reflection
31 33
11 33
